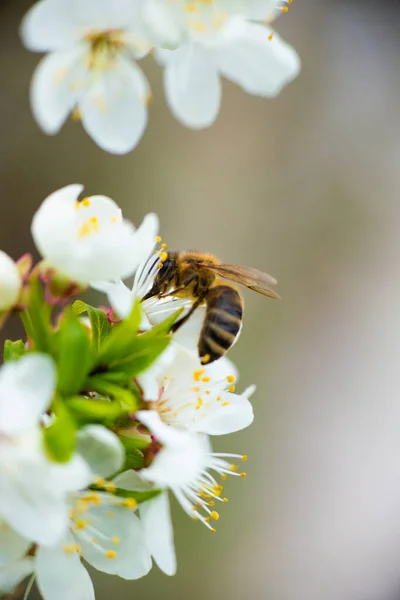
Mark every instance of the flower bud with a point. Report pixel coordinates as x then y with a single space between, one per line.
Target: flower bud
10 282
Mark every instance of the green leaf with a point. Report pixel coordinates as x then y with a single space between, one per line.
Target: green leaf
117 345
59 438
40 318
101 326
73 355
127 398
93 410
13 350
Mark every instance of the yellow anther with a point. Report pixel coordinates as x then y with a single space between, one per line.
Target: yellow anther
160 265
81 524
163 256
163 246
224 476
226 403
218 488
231 388
233 468
213 530
195 388
208 392
207 519
129 502
158 239
76 114
245 457
92 497
115 540
199 403
206 379
231 378
271 36
211 503
284 9
197 374
72 548
205 359
85 202
99 481
110 487
111 554
214 515
225 500
243 474
218 398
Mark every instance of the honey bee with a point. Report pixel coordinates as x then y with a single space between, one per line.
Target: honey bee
197 276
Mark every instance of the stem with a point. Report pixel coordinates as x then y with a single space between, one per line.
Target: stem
29 586
27 323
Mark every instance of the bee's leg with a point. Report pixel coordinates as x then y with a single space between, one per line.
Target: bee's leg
183 320
180 288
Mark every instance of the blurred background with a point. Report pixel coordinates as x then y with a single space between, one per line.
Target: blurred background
305 187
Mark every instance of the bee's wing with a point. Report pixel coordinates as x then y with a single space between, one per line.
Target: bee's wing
251 278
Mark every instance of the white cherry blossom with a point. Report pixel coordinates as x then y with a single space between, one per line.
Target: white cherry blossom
195 397
183 466
89 240
10 282
14 565
250 54
90 66
33 490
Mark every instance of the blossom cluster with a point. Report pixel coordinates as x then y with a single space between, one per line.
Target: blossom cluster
93 47
103 411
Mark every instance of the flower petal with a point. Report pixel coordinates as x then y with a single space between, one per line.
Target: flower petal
130 480
231 414
114 110
54 88
48 25
10 282
249 57
156 518
101 449
61 575
115 543
12 545
192 85
164 433
119 296
12 574
28 385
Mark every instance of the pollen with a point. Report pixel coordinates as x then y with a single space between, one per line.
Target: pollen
218 398
214 515
211 503
233 468
115 540
85 202
197 374
284 9
92 497
195 388
243 475
271 37
226 403
206 379
213 530
111 554
205 359
110 487
81 524
231 388
224 476
158 239
245 457
163 246
225 500
199 403
231 378
72 548
129 502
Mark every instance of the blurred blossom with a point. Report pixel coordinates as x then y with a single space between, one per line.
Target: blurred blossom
10 282
91 69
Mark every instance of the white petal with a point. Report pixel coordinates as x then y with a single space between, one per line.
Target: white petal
176 465
188 335
260 65
156 518
149 381
192 85
48 25
221 369
114 110
164 433
237 414
55 86
10 282
12 574
119 296
101 449
94 15
115 528
12 545
26 388
61 575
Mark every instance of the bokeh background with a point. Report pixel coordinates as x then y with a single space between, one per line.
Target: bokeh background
306 187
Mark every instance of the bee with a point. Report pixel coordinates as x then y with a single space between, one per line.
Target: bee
200 277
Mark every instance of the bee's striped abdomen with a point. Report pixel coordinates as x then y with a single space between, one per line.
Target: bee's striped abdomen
222 322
